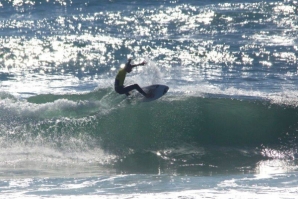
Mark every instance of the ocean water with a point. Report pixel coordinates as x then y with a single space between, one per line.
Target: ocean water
227 128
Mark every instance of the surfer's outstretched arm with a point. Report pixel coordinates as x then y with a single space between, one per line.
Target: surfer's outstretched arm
135 65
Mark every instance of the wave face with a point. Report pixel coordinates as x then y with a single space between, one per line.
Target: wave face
173 120
202 121
169 131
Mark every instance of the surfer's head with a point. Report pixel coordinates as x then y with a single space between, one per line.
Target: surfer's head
128 67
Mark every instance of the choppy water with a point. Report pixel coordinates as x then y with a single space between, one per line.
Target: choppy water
227 128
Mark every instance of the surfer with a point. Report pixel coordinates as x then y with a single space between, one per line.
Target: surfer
119 80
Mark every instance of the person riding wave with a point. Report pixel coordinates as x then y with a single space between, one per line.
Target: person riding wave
120 77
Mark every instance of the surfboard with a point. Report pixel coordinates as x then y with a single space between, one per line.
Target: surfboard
157 91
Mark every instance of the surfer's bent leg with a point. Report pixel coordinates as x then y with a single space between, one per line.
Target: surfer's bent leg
126 90
140 90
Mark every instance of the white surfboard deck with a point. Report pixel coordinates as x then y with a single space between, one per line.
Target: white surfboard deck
156 91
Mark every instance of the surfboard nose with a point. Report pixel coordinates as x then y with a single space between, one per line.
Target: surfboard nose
165 90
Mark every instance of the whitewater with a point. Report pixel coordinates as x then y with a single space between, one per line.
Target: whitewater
227 128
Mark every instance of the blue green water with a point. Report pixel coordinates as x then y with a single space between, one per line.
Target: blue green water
227 128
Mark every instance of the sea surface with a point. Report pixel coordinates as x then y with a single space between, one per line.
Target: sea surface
227 128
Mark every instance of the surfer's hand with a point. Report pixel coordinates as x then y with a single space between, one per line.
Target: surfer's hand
143 63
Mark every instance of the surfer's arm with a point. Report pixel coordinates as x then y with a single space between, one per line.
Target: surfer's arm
135 65
140 64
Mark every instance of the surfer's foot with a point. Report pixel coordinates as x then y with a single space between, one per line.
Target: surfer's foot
149 95
127 94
